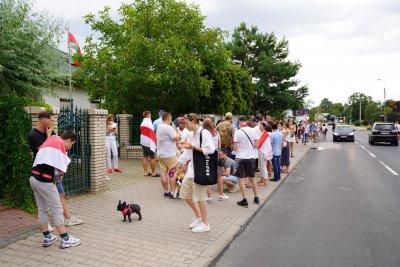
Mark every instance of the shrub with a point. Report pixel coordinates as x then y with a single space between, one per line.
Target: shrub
15 156
357 123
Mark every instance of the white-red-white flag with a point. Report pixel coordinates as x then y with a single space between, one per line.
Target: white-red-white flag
148 136
53 153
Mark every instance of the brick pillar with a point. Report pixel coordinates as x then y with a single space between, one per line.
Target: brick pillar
98 149
124 134
33 112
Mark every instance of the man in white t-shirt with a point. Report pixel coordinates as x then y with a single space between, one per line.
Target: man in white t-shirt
166 151
245 140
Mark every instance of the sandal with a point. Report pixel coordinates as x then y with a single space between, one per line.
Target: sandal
262 183
285 171
149 174
156 175
248 186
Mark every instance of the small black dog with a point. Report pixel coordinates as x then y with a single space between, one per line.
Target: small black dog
127 210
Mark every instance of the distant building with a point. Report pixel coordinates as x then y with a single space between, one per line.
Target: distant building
79 97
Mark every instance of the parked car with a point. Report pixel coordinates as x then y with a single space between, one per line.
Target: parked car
383 132
343 133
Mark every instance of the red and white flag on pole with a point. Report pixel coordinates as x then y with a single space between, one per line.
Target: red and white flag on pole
53 153
148 136
73 47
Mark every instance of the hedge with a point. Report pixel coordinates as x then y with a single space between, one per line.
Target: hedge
15 155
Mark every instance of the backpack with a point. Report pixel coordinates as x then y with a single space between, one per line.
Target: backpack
224 133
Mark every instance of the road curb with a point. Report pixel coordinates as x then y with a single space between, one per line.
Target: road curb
221 244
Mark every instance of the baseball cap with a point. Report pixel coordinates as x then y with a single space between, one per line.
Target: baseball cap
228 115
242 118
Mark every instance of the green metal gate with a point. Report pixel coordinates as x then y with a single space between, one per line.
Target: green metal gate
135 130
77 177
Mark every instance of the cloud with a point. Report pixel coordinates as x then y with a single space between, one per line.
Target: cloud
344 46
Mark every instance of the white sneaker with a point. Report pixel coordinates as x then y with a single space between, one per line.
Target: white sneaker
50 228
209 199
73 221
49 240
223 197
69 242
201 228
195 222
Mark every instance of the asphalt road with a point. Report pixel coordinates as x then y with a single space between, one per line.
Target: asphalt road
339 207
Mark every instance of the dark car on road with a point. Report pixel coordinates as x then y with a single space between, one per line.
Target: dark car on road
343 133
383 132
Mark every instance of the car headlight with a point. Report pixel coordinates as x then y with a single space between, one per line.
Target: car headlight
335 134
351 133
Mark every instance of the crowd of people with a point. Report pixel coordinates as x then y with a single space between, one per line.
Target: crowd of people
256 145
253 145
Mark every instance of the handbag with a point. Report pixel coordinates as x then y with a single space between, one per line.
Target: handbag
205 166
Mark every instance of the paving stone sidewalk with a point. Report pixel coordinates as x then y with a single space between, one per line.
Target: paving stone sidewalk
161 238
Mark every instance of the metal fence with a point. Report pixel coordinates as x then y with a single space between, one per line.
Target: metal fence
135 130
77 177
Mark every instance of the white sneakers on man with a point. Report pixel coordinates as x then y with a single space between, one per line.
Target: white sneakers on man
201 228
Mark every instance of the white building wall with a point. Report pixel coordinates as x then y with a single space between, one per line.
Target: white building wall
80 99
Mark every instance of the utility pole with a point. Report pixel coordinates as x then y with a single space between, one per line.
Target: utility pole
360 107
384 99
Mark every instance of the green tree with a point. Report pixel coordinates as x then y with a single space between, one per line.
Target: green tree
326 105
158 55
232 91
370 110
273 74
29 60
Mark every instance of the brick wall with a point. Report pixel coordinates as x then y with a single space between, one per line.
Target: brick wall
98 149
124 134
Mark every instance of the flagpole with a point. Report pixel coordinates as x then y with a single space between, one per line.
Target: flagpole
70 71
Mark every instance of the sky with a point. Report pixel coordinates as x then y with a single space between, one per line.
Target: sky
344 46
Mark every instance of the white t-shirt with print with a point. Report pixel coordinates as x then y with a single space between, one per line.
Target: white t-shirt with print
166 145
245 148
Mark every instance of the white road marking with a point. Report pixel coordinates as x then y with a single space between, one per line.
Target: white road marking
381 162
389 169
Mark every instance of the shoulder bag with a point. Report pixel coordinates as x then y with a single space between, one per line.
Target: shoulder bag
205 166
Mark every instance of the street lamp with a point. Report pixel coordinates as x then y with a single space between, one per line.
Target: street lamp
384 99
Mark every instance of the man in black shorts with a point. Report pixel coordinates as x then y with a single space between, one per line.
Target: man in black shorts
148 142
245 140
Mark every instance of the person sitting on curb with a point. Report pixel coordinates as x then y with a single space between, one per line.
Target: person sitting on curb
50 164
228 177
